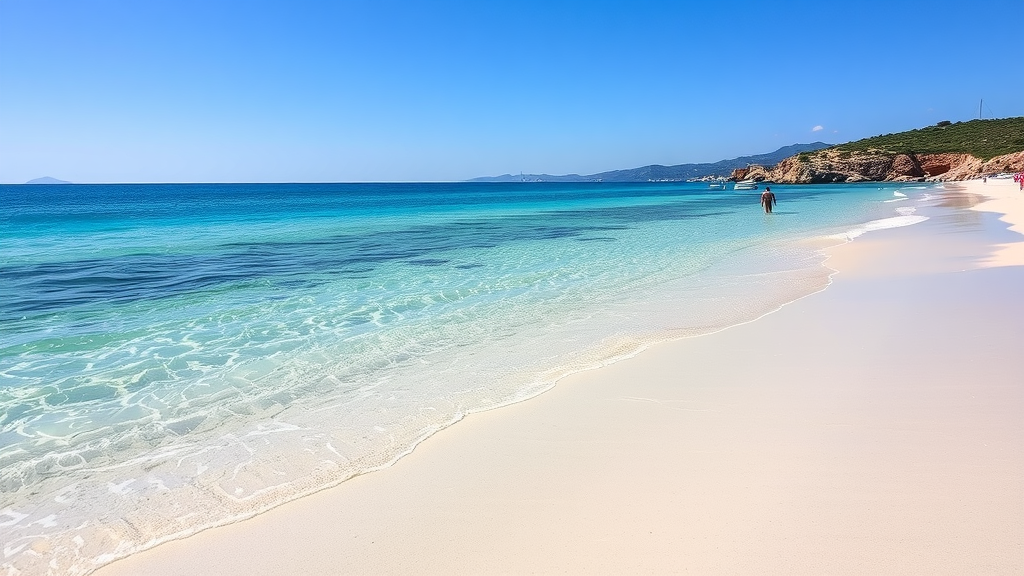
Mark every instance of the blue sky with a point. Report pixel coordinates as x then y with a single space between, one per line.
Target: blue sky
302 91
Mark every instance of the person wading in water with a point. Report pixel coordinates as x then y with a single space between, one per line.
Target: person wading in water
768 200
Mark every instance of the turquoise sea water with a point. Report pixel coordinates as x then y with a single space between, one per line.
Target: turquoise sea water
174 357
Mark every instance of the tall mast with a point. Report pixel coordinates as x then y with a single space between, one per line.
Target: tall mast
979 108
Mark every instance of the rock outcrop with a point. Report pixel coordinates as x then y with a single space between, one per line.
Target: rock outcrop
832 165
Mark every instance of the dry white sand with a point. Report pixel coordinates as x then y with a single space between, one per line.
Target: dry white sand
873 428
1004 197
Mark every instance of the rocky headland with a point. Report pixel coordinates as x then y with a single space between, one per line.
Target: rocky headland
946 151
843 166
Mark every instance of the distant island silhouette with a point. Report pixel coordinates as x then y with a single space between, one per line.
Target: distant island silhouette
47 180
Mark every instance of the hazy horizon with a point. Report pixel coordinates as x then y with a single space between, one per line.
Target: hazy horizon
472 179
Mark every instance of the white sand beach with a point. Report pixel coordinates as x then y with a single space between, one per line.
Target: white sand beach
1003 197
876 427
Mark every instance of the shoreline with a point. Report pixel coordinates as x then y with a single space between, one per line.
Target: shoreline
726 494
176 494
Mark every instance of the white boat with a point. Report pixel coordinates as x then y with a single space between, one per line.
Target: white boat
745 185
717 186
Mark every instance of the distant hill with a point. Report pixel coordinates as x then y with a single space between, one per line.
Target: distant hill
657 172
47 180
984 139
944 152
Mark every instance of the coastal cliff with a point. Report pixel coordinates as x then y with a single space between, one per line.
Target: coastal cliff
841 166
946 151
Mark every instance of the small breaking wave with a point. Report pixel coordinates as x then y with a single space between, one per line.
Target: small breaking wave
905 219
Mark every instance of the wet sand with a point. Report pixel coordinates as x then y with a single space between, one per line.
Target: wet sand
876 427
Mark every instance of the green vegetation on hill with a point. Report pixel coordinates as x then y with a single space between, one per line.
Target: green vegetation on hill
983 139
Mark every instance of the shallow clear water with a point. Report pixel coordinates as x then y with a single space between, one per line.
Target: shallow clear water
174 357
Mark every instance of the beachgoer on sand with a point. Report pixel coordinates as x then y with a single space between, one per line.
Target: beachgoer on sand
768 200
